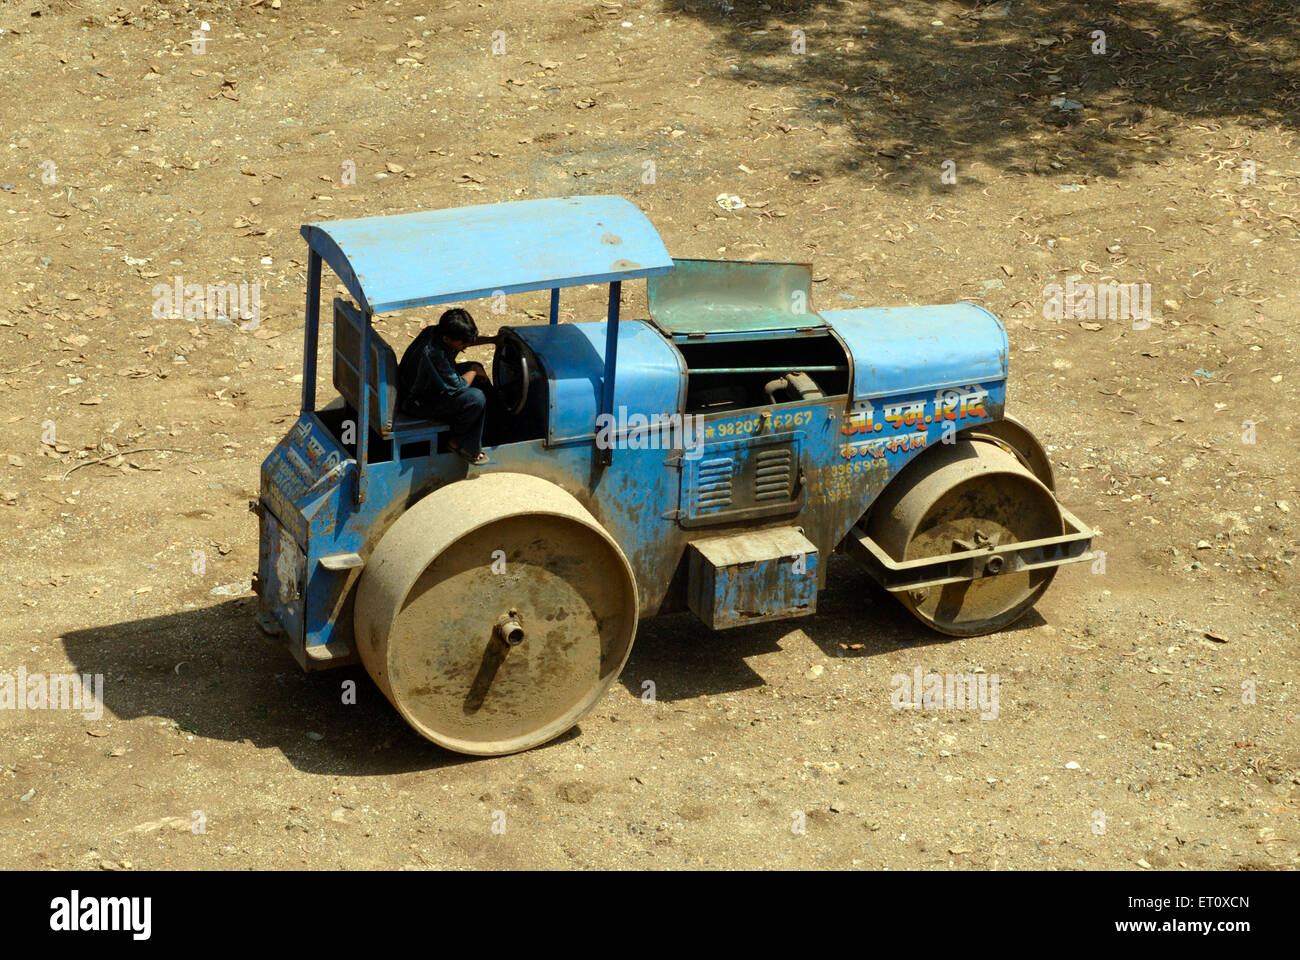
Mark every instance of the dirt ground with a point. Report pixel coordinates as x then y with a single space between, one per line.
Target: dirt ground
1147 714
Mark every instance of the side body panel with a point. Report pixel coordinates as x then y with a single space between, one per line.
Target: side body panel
830 459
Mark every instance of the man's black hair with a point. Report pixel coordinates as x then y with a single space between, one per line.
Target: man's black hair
457 324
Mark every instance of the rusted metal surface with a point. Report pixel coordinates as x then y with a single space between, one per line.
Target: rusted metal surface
280 577
494 613
1014 436
751 577
974 559
962 498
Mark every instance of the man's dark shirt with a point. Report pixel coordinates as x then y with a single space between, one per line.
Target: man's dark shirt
427 374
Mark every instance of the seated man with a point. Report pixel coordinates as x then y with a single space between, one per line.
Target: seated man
432 386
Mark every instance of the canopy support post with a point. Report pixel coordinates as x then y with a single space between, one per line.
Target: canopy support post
363 428
611 360
555 304
312 331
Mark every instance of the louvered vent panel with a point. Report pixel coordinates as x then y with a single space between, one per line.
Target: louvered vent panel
774 475
713 484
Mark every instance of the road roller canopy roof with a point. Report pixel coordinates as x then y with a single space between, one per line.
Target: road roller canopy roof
464 253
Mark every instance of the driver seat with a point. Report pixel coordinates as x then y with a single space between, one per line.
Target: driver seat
385 417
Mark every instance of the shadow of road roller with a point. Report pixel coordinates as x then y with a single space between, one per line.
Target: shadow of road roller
494 613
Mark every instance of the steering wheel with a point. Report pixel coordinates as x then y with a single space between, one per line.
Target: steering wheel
512 374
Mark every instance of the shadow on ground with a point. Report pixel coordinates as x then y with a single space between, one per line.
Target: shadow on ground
855 618
216 675
979 88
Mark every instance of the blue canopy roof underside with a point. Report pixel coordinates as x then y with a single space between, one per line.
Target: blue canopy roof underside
464 253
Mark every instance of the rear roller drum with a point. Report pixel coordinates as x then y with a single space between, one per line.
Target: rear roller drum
494 613
959 497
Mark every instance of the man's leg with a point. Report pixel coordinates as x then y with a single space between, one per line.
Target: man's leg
494 414
464 412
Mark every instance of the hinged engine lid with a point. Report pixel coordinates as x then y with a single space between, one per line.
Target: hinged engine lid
713 298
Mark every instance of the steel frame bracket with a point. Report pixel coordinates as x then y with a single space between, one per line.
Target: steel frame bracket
963 566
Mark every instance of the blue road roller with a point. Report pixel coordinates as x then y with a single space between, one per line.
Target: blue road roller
706 458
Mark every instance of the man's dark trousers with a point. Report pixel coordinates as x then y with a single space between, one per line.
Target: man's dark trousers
464 413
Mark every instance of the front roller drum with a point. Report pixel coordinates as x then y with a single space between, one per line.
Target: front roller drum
494 613
973 495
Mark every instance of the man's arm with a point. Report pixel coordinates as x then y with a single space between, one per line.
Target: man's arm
435 376
477 368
